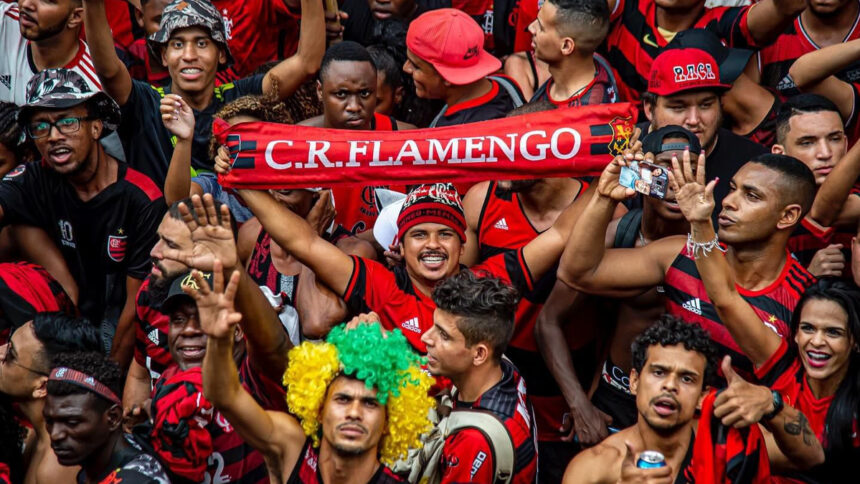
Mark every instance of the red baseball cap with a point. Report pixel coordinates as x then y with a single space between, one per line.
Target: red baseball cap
452 42
678 70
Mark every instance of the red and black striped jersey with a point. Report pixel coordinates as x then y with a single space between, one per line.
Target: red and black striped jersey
27 289
765 133
232 459
150 334
601 90
634 41
726 455
686 298
503 225
467 455
390 293
784 373
306 470
809 237
852 126
775 60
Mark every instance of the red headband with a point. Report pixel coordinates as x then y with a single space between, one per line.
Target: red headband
83 380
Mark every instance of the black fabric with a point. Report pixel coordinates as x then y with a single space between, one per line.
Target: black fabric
619 405
149 145
123 213
729 155
628 228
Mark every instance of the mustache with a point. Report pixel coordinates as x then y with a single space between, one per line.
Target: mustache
352 424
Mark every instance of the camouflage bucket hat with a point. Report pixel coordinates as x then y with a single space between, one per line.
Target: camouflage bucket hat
180 14
64 88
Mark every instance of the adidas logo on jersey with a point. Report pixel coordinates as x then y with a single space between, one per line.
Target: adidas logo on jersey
502 224
6 80
411 325
694 306
153 336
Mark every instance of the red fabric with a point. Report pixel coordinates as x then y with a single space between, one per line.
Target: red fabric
727 455
566 142
677 70
253 28
433 203
180 415
5 474
120 21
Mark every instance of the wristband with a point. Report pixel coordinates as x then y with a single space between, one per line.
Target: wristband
778 405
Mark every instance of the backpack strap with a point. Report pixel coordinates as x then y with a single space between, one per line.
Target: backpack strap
628 229
501 442
512 89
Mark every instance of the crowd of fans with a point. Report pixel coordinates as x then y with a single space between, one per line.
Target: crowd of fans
689 315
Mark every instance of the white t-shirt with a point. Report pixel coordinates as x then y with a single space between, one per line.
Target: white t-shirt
16 63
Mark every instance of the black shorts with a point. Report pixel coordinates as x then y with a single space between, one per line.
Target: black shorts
613 397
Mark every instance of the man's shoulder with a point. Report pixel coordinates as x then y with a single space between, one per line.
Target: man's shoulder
141 185
601 463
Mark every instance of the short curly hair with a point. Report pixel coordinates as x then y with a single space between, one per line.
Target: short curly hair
670 331
94 364
384 361
485 307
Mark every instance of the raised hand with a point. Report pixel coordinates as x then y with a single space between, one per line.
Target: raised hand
741 404
216 305
694 197
631 474
211 234
608 185
829 261
177 116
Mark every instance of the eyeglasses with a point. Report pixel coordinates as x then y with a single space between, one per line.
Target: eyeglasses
9 358
41 129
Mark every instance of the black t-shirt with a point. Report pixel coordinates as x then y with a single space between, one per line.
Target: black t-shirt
102 240
149 145
730 154
360 25
130 465
495 104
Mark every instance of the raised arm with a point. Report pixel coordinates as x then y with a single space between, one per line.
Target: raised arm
283 79
696 200
768 19
212 238
791 443
816 72
178 118
586 264
832 205
297 237
275 434
116 81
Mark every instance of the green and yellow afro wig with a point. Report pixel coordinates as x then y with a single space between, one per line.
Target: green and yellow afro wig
384 361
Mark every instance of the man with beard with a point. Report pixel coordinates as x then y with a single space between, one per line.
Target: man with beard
769 197
693 102
503 218
431 237
36 35
98 211
821 24
83 416
25 362
151 353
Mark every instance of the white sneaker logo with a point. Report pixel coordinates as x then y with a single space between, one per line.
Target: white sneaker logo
694 306
411 325
501 224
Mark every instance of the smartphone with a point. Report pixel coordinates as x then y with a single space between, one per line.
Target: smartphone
646 178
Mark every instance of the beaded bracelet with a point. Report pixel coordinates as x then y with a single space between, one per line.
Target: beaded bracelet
693 247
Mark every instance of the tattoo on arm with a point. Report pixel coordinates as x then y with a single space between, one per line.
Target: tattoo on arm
800 426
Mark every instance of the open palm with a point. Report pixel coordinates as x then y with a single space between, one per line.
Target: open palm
212 238
694 197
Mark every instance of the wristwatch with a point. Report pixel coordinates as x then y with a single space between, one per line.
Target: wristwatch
778 405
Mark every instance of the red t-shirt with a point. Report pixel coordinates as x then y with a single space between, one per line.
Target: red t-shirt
258 31
373 287
150 334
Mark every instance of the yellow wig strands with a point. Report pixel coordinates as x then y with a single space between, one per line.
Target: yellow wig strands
385 362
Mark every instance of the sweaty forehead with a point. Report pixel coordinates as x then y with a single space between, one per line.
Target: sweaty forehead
676 358
69 405
353 387
348 73
818 124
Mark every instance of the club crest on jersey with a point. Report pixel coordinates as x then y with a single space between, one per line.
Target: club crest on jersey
622 130
703 71
116 247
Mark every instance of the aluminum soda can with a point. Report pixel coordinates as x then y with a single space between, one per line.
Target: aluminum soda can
650 459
